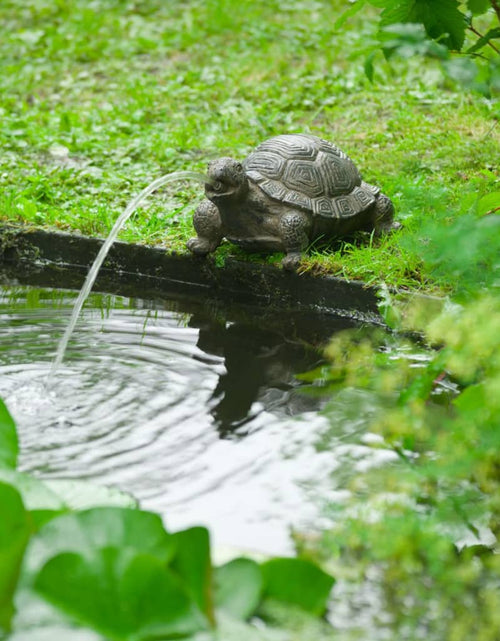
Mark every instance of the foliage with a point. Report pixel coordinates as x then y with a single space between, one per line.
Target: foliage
442 29
116 571
427 524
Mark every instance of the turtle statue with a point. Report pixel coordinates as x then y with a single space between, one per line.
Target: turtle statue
291 191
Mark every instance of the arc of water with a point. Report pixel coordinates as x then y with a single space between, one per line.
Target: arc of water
103 252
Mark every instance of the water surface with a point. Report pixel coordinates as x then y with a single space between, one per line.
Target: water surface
195 410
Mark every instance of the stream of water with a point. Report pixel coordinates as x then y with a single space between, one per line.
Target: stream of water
103 252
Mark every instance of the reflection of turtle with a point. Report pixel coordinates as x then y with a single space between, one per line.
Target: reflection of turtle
289 192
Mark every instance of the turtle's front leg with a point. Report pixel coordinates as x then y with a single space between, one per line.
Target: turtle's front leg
294 232
207 223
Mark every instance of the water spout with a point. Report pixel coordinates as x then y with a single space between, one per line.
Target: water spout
103 252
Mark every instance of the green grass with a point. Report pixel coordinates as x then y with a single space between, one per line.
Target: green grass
98 99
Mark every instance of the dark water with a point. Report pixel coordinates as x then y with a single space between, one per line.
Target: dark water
196 410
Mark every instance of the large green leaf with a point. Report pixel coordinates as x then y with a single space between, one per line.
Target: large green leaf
122 594
442 19
477 7
90 530
14 535
298 582
238 587
193 565
9 446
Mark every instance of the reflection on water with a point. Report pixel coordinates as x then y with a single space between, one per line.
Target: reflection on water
197 413
196 410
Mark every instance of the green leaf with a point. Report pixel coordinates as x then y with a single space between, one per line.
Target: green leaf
489 203
369 67
348 13
9 446
298 582
193 564
238 587
477 7
98 528
492 34
14 535
473 402
120 593
442 19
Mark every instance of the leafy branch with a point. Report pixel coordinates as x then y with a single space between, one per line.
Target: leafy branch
437 29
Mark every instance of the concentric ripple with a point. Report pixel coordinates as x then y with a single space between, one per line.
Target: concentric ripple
198 417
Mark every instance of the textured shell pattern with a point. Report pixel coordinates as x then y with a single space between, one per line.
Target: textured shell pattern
311 174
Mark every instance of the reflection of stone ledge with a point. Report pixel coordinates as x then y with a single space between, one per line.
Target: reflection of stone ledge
61 260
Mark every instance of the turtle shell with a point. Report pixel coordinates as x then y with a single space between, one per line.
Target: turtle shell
311 174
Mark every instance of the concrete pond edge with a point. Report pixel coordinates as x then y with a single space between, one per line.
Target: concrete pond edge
49 258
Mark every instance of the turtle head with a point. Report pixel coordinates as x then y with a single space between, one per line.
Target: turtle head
226 180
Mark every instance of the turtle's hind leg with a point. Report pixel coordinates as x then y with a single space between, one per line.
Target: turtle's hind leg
207 223
383 216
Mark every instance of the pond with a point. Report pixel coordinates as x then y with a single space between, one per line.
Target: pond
195 408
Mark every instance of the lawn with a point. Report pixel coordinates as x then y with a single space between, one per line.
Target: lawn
97 99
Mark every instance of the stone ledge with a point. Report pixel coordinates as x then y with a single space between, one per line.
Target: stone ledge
62 259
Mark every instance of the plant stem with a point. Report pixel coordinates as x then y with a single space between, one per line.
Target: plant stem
480 35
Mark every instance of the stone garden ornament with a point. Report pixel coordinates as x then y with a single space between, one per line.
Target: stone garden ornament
291 191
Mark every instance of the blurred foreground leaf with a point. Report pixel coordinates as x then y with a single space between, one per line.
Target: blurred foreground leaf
14 534
238 587
121 594
298 582
9 446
